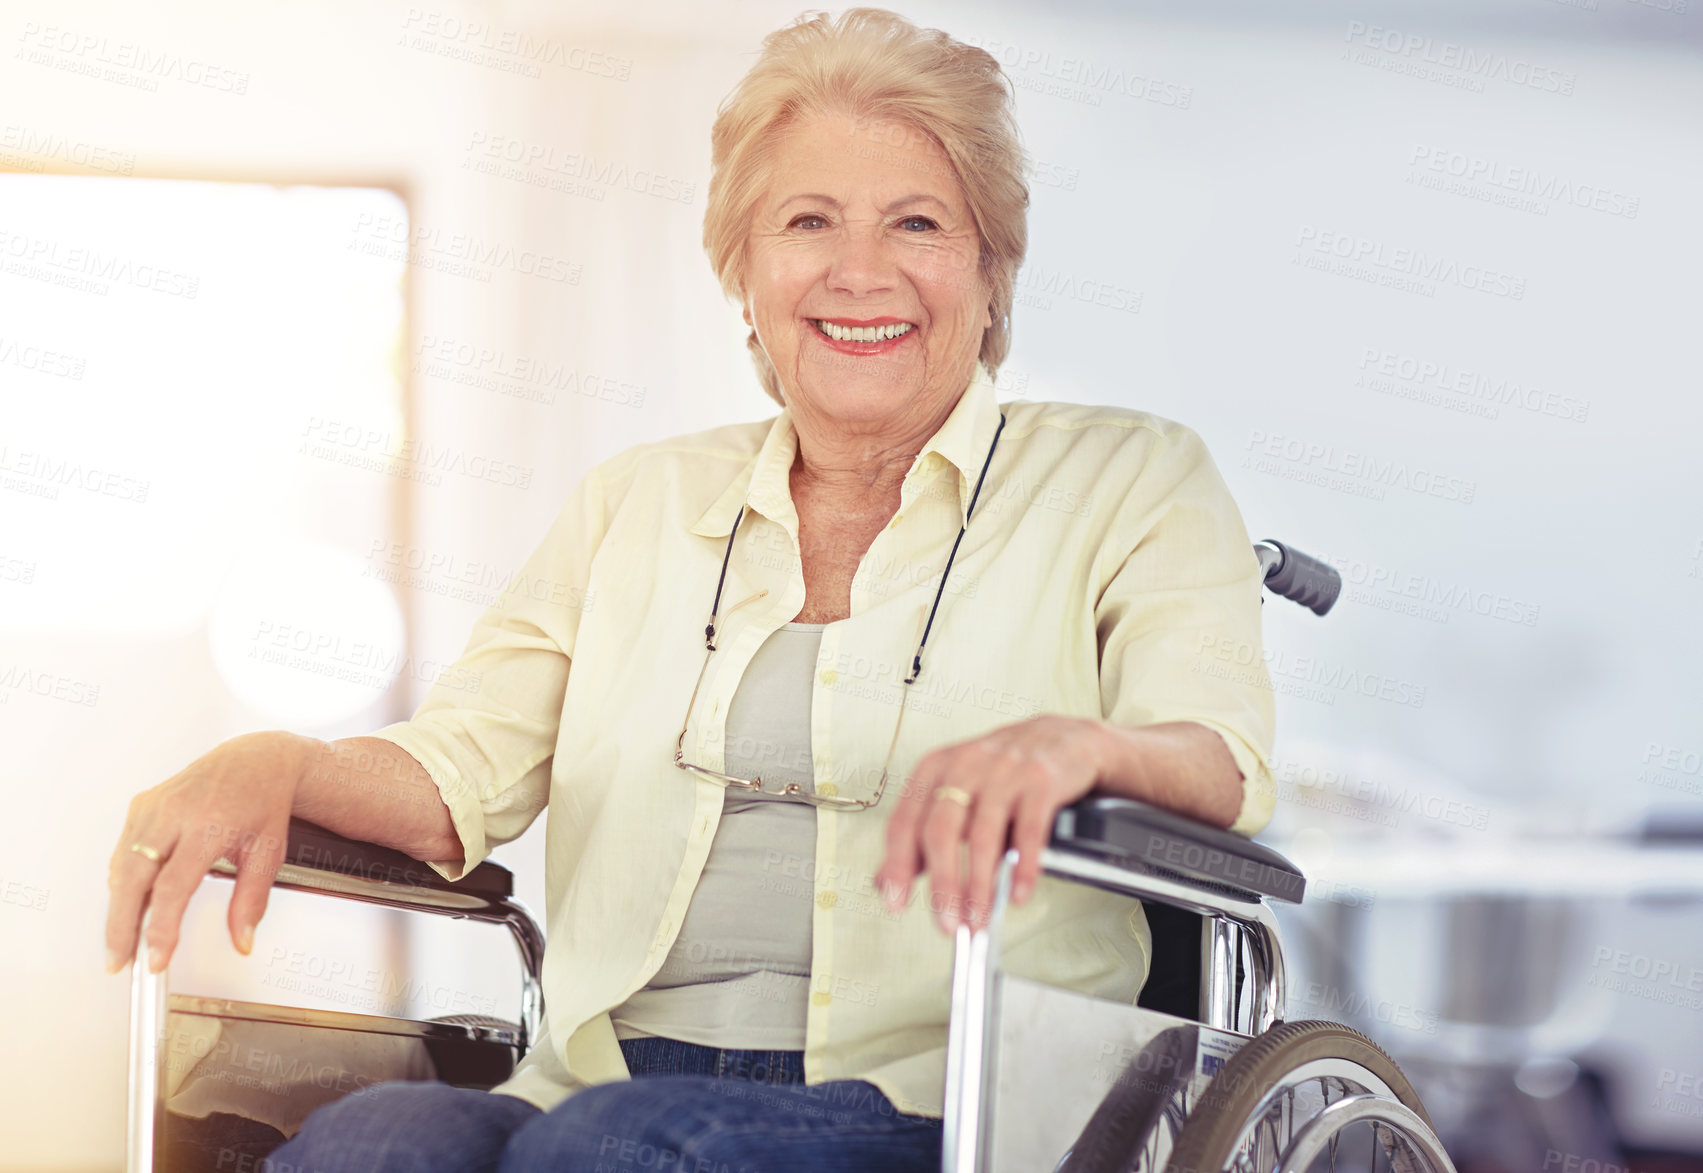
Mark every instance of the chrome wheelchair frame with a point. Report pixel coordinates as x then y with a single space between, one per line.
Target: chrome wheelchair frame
1222 1085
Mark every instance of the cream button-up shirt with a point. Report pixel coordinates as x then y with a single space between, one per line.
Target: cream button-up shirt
1104 573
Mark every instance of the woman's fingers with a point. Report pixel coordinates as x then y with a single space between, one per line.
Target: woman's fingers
173 887
130 878
1029 835
904 831
257 865
942 833
1016 779
990 820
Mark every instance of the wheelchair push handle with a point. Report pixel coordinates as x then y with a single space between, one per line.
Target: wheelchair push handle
1301 577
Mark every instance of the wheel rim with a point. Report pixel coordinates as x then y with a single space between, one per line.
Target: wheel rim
1308 1111
1400 1134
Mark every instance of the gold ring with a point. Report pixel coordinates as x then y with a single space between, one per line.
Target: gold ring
955 794
151 854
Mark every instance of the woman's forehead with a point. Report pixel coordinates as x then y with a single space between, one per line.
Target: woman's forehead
849 160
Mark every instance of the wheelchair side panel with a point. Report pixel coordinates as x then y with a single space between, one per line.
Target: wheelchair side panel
1059 1053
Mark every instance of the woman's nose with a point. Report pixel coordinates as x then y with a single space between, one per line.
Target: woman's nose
862 264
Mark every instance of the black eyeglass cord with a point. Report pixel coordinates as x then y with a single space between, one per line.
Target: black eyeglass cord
916 661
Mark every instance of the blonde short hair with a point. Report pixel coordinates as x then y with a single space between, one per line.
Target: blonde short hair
875 66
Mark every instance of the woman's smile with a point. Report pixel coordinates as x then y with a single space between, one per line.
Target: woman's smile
868 336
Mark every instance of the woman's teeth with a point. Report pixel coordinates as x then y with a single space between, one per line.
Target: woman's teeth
863 333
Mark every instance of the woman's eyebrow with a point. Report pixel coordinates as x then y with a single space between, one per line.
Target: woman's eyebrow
901 202
919 198
810 195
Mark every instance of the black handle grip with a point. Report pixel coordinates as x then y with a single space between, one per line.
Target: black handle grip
312 846
1303 578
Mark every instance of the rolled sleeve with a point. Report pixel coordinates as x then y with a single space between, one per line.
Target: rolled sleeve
487 730
1178 619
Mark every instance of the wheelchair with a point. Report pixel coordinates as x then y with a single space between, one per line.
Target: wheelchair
1200 1075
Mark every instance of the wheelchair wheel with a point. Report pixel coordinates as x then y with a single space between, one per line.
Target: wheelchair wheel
1309 1096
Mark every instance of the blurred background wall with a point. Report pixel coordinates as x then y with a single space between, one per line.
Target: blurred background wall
312 315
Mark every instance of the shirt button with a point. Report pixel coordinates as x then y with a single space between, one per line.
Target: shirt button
821 997
828 676
827 900
895 520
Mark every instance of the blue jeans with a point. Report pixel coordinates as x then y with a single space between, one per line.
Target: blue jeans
688 1109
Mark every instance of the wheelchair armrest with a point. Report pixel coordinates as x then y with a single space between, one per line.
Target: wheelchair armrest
314 847
1147 839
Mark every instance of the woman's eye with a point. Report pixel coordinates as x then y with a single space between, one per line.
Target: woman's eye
809 220
918 224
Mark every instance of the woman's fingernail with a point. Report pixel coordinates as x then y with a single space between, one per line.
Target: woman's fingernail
946 924
114 961
245 940
156 959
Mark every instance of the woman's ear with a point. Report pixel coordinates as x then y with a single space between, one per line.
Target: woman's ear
746 314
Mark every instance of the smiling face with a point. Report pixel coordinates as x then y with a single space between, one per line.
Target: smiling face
863 280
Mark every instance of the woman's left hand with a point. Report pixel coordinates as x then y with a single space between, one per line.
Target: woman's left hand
1017 778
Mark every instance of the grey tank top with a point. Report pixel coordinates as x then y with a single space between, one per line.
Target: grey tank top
738 975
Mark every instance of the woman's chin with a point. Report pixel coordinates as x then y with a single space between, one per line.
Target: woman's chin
861 388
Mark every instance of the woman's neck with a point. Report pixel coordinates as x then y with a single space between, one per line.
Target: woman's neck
852 466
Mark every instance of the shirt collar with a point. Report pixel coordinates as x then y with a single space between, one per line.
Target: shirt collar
764 484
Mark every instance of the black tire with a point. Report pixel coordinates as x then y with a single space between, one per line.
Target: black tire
1209 1136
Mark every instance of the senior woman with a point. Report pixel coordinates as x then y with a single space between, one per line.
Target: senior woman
827 668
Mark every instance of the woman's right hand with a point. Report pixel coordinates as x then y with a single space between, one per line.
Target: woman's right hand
234 804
